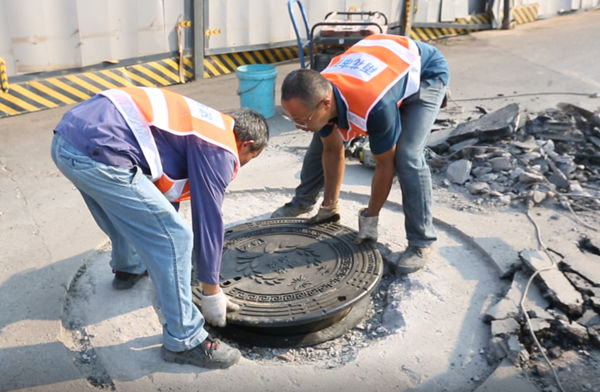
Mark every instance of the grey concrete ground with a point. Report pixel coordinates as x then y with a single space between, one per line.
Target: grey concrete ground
47 235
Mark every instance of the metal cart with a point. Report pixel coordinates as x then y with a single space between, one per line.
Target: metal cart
338 31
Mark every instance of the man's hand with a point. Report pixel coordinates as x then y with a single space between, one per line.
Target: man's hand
328 214
214 308
367 227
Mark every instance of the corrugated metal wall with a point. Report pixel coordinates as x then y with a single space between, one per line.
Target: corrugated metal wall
242 24
46 35
37 36
549 8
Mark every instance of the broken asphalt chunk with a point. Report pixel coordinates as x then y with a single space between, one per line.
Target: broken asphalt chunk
497 124
509 306
505 327
558 288
585 264
591 117
573 331
459 171
589 245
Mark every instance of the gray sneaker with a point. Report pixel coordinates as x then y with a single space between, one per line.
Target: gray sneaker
211 354
411 260
289 210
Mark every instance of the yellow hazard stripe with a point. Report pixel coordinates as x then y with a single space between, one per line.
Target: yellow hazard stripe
221 66
104 83
22 104
210 67
249 58
80 82
175 66
53 93
65 87
270 56
32 96
431 33
525 13
261 58
123 82
142 81
8 110
152 75
230 62
238 58
165 71
3 75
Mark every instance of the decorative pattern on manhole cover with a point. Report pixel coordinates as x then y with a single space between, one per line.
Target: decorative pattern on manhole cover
290 277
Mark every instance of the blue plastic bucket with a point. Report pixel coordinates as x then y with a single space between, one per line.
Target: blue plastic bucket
257 88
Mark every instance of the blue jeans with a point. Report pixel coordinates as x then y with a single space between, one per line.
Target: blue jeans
142 225
417 113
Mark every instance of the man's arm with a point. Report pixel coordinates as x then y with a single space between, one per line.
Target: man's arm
210 169
381 183
333 167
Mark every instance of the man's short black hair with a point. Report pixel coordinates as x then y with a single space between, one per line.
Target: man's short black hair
251 125
306 85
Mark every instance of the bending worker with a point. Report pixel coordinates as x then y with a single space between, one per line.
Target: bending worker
390 88
134 154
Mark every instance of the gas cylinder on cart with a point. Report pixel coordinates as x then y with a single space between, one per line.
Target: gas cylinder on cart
359 148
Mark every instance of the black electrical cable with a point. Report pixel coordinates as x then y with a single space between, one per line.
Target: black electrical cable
590 95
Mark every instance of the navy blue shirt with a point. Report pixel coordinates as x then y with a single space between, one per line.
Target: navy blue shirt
383 123
97 129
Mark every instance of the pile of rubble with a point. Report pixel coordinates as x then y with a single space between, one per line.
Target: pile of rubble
554 156
562 305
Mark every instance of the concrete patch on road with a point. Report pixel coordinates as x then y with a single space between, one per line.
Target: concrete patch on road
421 326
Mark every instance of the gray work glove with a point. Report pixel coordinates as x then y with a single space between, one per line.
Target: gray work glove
329 214
367 227
214 308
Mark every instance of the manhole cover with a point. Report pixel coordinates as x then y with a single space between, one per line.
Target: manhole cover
291 278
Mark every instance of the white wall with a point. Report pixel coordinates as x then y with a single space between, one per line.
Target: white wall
246 23
46 35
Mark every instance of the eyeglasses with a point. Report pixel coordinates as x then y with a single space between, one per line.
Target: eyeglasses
305 123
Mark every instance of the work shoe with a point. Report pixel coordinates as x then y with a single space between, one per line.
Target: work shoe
211 354
289 210
411 260
125 280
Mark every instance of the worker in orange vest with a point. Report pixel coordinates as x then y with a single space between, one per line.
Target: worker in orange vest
134 154
386 87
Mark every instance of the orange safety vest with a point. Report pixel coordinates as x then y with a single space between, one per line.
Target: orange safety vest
367 70
176 114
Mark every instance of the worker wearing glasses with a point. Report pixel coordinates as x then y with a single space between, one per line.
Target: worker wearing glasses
386 87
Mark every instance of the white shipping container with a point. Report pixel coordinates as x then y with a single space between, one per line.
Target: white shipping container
47 35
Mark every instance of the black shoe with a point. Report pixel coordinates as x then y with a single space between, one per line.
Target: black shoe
289 210
125 280
211 354
412 259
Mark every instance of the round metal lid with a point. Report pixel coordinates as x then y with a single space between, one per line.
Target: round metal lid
295 277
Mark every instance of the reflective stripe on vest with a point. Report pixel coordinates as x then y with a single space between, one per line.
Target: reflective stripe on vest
176 114
366 71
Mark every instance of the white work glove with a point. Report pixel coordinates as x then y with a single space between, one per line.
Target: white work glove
214 308
329 214
367 227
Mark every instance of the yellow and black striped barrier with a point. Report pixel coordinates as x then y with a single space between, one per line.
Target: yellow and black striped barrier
460 27
3 75
52 92
525 13
226 63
